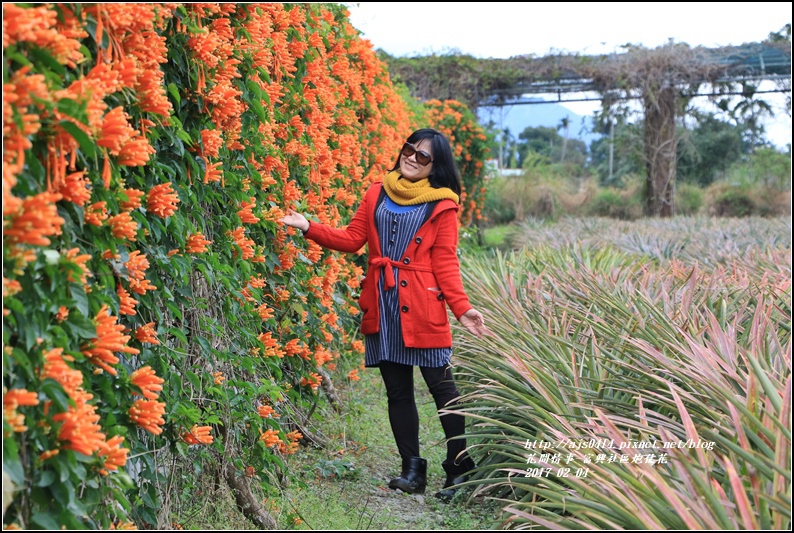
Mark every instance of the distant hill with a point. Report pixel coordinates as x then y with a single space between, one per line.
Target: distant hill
519 117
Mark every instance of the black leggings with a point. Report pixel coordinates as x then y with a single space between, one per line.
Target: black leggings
404 419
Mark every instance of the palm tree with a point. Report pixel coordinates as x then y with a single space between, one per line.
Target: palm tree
565 122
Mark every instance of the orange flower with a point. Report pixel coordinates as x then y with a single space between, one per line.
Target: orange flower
73 256
211 142
246 214
162 200
198 435
49 453
126 526
136 268
315 252
141 286
79 426
267 411
288 448
147 333
264 312
126 302
353 375
322 356
35 220
137 264
247 295
115 130
135 152
62 314
123 226
271 345
147 381
250 471
133 199
213 173
313 381
109 340
38 26
11 287
257 282
151 90
269 437
13 399
115 456
218 377
55 368
75 188
292 347
247 245
107 172
149 415
128 71
95 214
196 244
292 446
283 295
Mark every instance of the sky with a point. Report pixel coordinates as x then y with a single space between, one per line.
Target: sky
507 29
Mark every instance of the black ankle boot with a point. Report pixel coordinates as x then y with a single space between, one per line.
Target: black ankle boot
456 474
413 479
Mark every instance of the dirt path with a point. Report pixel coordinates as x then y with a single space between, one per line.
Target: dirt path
346 484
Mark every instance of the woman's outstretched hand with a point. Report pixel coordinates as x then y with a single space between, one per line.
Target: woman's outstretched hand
296 220
473 321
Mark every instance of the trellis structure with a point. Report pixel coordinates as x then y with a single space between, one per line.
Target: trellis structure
660 78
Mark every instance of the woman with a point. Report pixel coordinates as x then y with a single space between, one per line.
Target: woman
410 224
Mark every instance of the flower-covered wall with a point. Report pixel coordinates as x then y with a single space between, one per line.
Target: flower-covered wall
153 305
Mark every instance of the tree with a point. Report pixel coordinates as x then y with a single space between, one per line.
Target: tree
563 125
749 111
625 148
663 80
708 150
547 141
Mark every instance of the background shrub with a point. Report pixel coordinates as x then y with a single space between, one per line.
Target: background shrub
689 199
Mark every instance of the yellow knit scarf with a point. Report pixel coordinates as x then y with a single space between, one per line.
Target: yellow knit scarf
404 192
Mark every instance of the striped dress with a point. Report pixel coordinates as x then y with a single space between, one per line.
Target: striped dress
397 226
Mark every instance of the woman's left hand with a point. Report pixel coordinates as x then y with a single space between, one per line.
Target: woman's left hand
473 321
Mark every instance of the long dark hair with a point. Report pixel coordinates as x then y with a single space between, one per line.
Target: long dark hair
445 171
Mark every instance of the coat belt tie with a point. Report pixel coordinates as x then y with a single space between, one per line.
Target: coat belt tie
382 264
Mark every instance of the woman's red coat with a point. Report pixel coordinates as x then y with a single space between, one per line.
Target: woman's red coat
429 271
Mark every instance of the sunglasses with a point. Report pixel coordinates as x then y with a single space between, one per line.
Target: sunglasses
422 157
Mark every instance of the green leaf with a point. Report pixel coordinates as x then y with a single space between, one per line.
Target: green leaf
208 273
175 311
45 521
173 90
193 379
45 478
183 135
41 57
54 391
86 145
79 298
64 494
11 464
80 326
204 343
179 334
72 108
